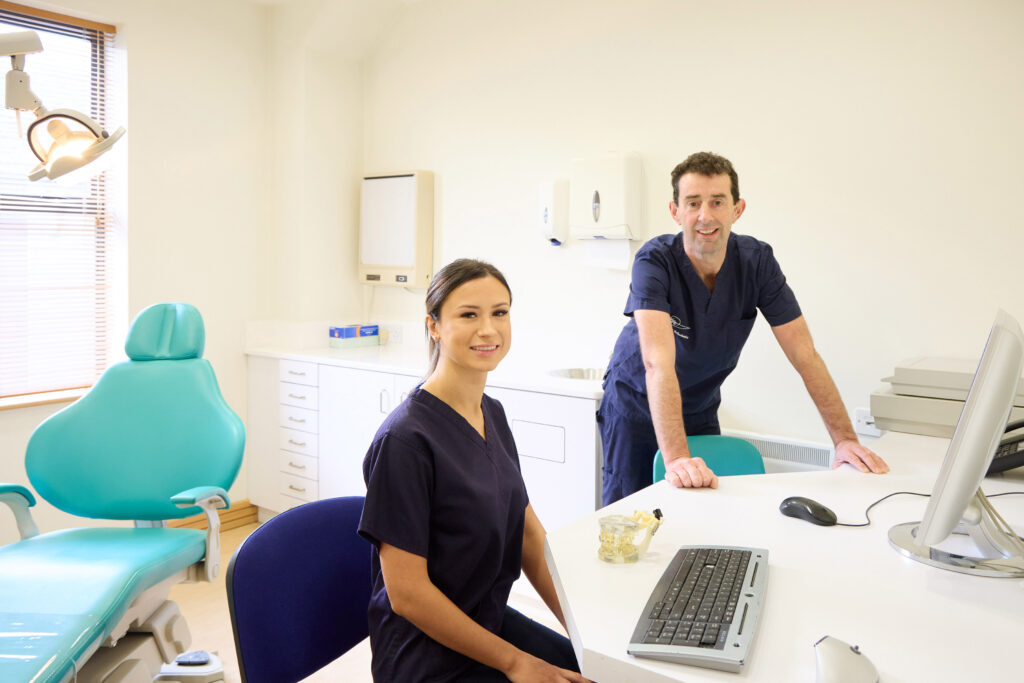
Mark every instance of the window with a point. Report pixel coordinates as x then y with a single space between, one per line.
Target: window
59 243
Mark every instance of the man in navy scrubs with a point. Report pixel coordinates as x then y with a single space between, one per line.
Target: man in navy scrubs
692 302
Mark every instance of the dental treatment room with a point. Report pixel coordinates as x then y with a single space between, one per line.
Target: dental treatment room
261 413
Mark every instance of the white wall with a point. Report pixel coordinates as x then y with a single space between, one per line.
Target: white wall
315 92
878 146
197 223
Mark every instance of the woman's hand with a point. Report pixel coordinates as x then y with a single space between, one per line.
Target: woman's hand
528 669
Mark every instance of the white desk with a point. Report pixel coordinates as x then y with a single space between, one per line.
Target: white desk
915 622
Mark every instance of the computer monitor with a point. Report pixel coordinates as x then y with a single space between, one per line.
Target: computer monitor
957 504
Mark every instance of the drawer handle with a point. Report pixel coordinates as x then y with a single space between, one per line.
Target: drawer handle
298 467
295 419
299 374
296 443
301 398
296 488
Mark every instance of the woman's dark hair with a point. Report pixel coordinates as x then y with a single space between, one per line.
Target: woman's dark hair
446 281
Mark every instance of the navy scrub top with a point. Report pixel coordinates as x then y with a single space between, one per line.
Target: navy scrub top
710 328
437 489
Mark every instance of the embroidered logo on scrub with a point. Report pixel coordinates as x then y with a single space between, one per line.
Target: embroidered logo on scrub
679 328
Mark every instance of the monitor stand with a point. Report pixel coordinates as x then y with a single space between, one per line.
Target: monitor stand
1004 553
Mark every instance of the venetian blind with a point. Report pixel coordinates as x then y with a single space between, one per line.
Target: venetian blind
56 239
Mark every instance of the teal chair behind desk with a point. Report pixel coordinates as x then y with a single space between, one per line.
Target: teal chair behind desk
152 440
725 455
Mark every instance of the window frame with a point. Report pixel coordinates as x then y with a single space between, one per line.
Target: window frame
99 202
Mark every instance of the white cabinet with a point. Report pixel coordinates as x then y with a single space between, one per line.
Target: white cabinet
559 452
281 448
353 404
310 425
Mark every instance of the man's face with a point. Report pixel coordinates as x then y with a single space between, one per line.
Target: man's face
705 213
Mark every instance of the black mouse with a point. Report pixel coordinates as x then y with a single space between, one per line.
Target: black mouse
808 510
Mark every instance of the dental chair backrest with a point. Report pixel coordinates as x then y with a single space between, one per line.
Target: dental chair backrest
151 427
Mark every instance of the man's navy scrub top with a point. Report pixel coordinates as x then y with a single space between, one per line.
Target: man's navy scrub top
710 328
437 489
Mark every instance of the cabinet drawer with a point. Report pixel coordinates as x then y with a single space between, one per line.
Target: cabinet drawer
297 442
298 395
297 487
539 440
298 372
303 466
302 419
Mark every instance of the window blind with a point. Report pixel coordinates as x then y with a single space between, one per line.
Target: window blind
57 241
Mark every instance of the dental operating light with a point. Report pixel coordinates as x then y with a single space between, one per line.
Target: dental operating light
62 139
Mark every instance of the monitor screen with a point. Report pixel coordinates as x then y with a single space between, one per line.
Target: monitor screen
981 424
956 496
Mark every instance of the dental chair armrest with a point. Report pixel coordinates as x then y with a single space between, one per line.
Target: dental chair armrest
20 499
210 499
200 495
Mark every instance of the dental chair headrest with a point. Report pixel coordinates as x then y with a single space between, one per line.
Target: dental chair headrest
166 332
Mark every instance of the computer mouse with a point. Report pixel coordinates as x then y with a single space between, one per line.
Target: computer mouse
842 663
807 509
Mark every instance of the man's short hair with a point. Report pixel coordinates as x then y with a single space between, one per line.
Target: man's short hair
709 164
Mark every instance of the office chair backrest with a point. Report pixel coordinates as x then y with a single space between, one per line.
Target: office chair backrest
298 590
151 427
725 455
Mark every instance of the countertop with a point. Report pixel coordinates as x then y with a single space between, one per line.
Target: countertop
521 369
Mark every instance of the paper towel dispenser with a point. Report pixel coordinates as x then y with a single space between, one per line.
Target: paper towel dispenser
606 197
396 229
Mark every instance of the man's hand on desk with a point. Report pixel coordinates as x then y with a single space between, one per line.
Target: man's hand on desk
861 457
690 473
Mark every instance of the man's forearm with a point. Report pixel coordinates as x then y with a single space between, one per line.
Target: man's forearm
825 395
666 405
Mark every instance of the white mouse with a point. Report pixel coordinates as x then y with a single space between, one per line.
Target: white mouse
842 663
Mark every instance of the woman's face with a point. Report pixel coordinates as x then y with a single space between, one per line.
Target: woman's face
473 328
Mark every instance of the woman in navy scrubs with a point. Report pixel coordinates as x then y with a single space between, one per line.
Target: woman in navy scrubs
448 514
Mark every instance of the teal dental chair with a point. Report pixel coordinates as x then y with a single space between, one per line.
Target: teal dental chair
152 440
725 455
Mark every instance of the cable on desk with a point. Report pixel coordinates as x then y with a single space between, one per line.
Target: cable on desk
912 493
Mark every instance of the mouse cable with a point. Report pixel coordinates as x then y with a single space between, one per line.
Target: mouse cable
912 493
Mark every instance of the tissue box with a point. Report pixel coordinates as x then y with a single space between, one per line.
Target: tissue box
347 336
349 331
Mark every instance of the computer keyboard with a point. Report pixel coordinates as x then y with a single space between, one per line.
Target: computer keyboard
704 609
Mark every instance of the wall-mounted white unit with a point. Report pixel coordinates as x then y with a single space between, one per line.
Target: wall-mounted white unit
396 229
554 209
606 196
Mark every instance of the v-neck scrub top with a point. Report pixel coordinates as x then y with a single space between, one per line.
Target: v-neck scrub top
437 489
710 328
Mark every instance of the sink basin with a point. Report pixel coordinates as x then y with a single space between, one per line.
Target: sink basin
579 373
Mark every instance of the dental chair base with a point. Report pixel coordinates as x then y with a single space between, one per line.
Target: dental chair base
136 659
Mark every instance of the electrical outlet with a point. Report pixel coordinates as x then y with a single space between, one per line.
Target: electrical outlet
864 423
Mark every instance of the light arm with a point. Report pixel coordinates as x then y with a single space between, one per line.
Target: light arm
19 95
795 339
414 597
535 566
658 348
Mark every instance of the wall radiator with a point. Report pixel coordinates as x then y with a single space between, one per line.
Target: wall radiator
786 455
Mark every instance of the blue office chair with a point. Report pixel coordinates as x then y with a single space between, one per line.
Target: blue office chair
725 455
298 590
152 440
